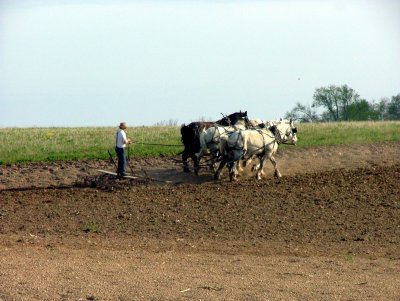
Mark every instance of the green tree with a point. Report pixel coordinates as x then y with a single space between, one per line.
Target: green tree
361 110
393 108
380 108
343 103
336 100
302 113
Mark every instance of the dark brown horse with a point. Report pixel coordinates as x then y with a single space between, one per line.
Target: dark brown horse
190 136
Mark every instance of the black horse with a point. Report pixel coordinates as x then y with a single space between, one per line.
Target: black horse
190 136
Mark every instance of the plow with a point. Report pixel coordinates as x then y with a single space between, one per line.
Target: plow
133 175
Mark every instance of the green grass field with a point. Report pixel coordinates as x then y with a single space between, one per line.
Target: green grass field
50 144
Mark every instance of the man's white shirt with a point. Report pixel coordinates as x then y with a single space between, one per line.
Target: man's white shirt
121 138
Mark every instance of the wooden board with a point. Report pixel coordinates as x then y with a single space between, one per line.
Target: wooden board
115 174
132 177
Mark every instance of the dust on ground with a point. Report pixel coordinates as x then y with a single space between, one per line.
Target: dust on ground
328 230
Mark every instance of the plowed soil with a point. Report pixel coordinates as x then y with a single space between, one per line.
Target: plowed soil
329 229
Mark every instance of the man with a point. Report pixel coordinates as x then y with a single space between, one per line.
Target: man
120 144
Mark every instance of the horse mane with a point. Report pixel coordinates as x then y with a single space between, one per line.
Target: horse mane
225 121
232 119
199 124
273 129
190 133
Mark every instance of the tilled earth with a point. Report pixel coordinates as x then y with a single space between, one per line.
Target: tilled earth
328 230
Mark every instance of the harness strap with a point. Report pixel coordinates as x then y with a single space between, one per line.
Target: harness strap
235 146
264 146
278 136
213 136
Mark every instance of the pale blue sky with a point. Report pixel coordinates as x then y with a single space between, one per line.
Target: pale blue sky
96 63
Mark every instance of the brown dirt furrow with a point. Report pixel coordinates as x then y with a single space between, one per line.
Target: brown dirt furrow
328 230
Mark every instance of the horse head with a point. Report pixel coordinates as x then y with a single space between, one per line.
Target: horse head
287 131
238 118
235 117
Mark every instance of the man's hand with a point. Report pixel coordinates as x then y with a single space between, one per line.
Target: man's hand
128 141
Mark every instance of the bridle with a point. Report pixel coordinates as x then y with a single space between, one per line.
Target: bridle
290 132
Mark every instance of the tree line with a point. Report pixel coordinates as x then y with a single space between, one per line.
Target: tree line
342 103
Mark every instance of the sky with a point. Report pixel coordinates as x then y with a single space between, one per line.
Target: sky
97 63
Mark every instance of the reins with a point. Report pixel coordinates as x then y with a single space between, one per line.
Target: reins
156 144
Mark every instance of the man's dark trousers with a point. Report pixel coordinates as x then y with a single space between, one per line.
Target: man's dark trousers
121 160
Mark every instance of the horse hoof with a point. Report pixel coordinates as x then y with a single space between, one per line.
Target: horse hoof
186 169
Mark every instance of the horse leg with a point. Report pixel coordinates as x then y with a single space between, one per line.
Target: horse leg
255 166
220 167
260 170
240 165
196 163
247 161
185 157
213 161
276 173
233 171
213 164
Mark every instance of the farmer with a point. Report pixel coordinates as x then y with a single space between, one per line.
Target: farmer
120 144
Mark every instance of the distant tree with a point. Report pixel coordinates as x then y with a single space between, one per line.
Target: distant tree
325 116
380 108
302 113
361 110
393 108
336 100
344 104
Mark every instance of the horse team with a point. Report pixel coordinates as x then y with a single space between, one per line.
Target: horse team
234 141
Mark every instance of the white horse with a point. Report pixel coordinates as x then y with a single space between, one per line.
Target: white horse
257 123
261 123
261 143
264 124
210 140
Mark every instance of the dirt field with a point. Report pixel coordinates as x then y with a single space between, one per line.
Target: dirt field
328 230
